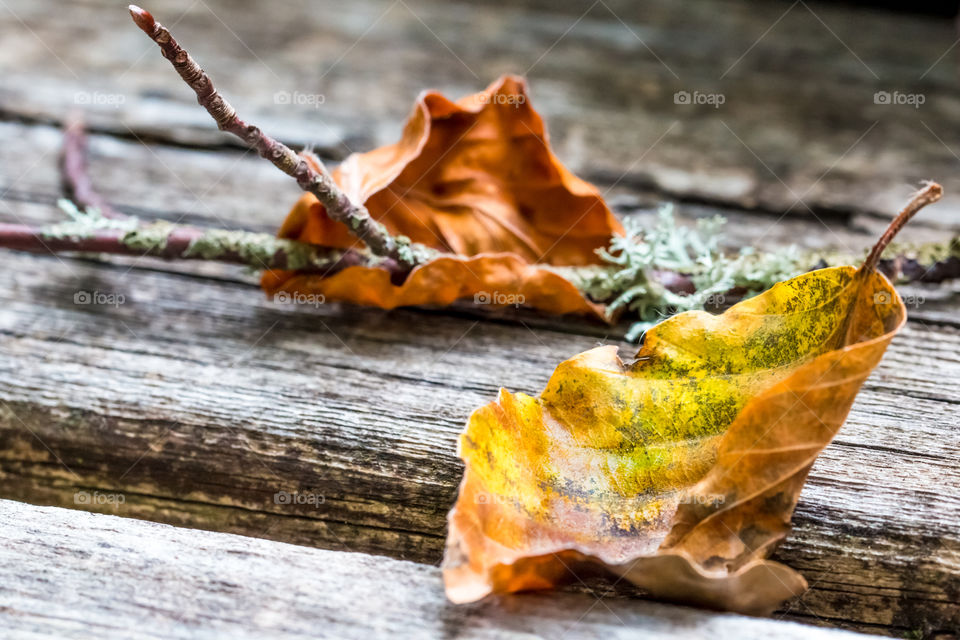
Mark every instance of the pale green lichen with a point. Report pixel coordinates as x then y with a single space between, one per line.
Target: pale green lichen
630 282
84 224
149 238
411 253
255 249
404 250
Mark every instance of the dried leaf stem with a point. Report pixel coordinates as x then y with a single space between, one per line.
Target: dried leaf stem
318 182
930 193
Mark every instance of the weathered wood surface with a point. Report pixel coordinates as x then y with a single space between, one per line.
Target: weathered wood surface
197 400
799 117
107 577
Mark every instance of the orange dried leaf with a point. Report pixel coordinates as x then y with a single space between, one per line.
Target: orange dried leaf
475 178
679 472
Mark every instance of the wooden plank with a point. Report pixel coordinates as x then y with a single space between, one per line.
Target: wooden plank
167 489
799 121
199 401
68 574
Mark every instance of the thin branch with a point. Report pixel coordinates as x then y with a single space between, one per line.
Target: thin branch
318 182
96 227
180 242
929 263
901 268
74 175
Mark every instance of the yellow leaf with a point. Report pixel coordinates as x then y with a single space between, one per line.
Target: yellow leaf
681 470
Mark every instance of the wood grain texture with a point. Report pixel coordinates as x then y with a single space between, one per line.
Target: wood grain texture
68 574
799 128
198 401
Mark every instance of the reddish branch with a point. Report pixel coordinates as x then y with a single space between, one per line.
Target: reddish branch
180 242
263 251
318 182
27 238
328 261
74 174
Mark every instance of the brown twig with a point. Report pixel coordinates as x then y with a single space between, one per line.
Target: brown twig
74 175
318 182
180 242
91 234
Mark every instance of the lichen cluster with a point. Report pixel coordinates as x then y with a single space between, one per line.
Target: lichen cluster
636 263
647 274
256 250
84 223
253 248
